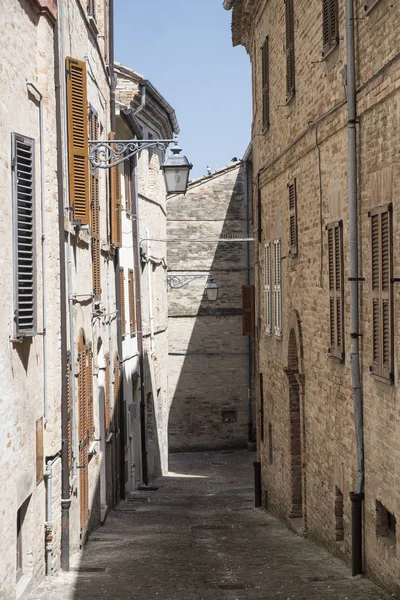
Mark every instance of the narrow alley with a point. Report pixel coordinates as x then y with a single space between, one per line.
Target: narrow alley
198 537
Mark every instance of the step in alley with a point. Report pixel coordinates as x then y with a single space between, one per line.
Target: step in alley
195 535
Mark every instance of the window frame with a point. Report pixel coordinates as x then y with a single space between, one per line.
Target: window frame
290 51
336 290
330 31
293 229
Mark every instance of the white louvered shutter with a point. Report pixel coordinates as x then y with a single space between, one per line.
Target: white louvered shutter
267 286
277 288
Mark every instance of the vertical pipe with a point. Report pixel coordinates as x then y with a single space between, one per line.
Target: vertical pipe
353 281
65 491
49 515
138 306
249 350
150 290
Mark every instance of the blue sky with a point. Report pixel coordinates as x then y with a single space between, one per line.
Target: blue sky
184 48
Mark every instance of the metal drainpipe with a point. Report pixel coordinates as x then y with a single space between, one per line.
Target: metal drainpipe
150 292
249 361
30 84
358 495
139 325
65 487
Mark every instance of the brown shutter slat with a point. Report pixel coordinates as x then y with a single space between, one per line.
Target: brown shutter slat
69 412
292 218
116 223
122 300
89 393
128 194
336 289
107 395
248 309
78 149
290 61
131 291
265 83
83 438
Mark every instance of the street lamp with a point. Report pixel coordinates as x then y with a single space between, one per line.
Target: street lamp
212 289
176 172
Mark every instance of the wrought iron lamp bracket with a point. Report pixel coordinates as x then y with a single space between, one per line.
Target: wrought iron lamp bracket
104 154
176 282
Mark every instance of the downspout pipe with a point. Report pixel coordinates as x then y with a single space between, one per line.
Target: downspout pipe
48 476
30 84
62 202
249 349
358 495
139 319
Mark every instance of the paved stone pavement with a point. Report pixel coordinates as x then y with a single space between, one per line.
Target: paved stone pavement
198 537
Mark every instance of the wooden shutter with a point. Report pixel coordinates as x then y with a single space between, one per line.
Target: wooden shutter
78 147
382 301
128 191
89 393
23 197
131 291
267 288
293 241
91 8
265 83
248 309
259 211
336 289
69 413
83 433
116 222
122 300
107 391
330 24
290 62
277 288
95 210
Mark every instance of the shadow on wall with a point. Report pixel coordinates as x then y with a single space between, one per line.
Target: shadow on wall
151 420
208 355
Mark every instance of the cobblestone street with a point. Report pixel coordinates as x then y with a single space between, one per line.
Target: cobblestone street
198 537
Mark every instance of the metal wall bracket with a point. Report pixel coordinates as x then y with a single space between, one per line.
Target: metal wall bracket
104 154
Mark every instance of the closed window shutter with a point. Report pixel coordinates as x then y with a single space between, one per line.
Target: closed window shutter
107 390
330 24
267 287
83 432
69 412
116 222
277 288
261 407
89 393
381 258
293 218
248 298
336 289
91 8
95 210
23 181
78 147
290 62
131 291
117 381
265 83
122 300
128 195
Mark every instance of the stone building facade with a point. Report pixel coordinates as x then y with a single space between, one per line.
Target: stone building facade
209 358
306 431
144 113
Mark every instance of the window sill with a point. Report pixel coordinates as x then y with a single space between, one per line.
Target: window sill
336 355
289 98
382 378
93 24
329 50
265 129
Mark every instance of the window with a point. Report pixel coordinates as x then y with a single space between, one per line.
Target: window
78 147
385 523
248 298
261 407
267 288
122 300
23 201
339 515
116 223
131 291
277 288
381 259
330 25
95 209
292 218
290 63
265 84
128 190
336 289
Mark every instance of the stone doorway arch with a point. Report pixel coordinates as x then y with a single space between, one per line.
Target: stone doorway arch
295 374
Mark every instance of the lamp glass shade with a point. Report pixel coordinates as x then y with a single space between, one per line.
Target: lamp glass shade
212 290
176 172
